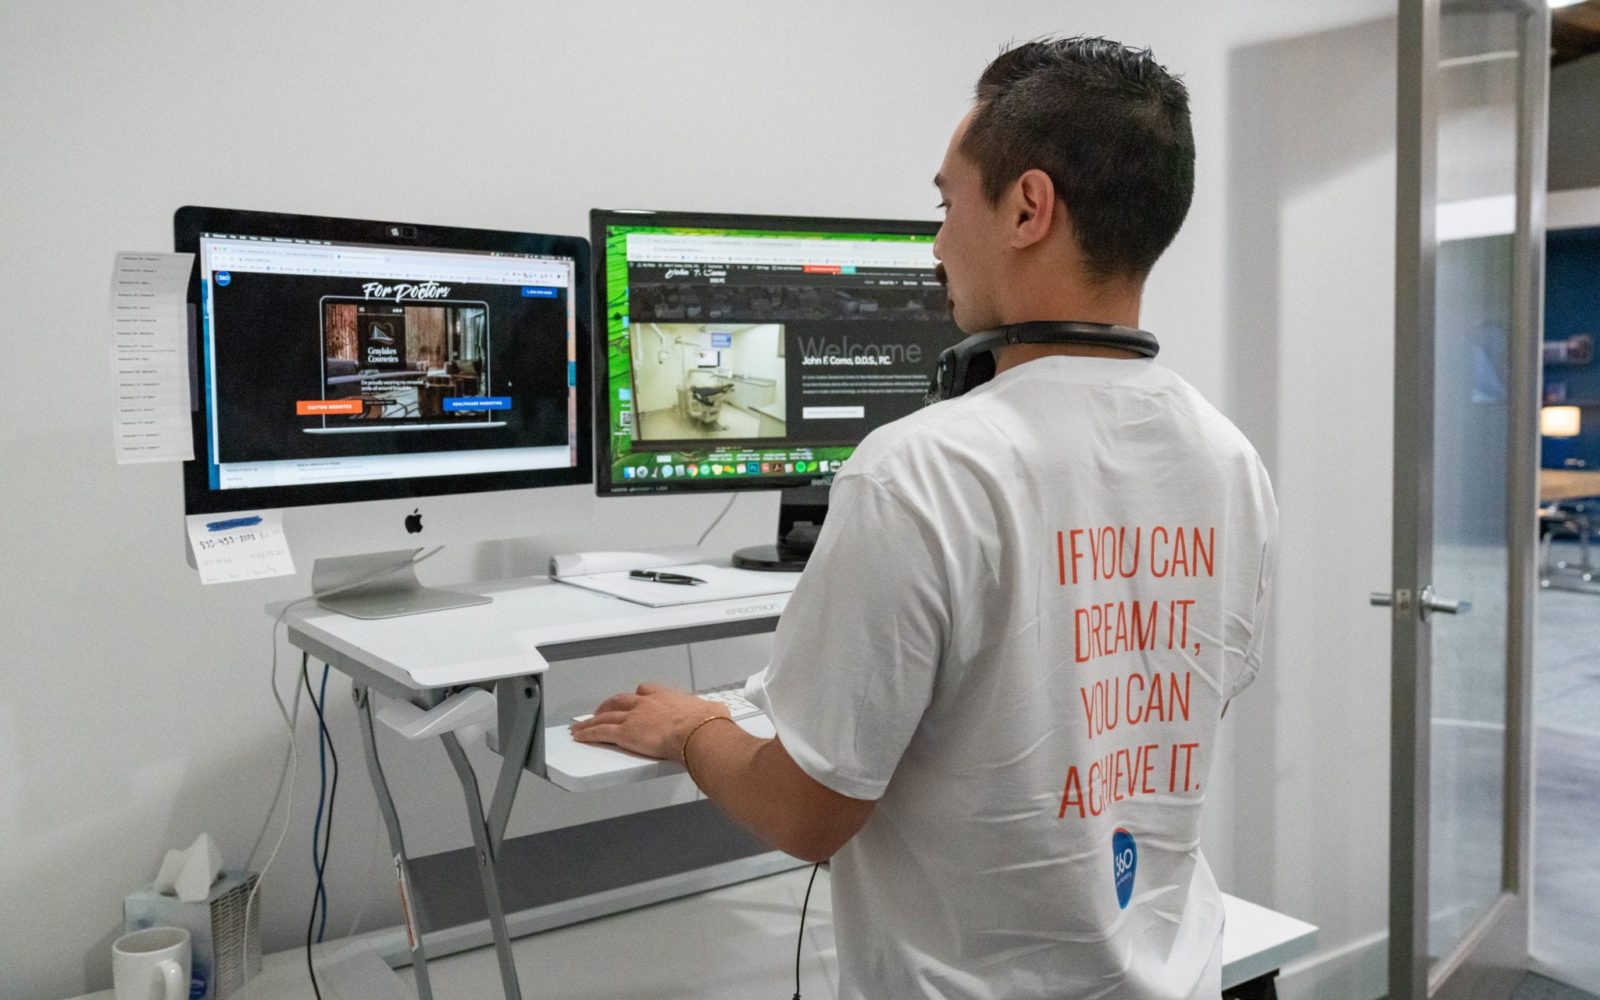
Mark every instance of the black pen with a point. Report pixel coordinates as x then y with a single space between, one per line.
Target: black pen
655 577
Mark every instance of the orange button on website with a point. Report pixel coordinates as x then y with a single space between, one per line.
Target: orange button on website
319 407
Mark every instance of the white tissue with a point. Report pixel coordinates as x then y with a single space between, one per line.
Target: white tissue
585 563
171 865
190 873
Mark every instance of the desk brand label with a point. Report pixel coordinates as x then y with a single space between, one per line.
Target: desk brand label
757 609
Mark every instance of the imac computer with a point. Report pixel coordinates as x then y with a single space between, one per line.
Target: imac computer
742 352
346 362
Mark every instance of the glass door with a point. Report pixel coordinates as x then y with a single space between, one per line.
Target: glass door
1472 80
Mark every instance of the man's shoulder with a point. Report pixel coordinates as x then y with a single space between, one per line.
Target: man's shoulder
912 438
1222 434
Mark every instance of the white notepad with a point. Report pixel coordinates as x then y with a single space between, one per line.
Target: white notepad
722 583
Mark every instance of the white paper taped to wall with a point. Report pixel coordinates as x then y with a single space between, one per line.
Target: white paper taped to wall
150 357
245 546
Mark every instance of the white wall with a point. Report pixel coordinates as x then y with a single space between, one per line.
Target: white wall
1310 342
662 357
755 352
755 355
1574 126
133 703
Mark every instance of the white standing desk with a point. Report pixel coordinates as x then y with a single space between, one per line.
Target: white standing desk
441 669
432 662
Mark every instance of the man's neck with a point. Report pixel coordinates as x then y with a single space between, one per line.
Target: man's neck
1013 355
1114 307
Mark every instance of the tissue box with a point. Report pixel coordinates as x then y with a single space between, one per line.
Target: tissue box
221 941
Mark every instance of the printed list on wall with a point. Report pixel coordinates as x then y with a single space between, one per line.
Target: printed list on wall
150 357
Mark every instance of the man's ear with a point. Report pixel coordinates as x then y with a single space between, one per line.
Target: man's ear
1033 208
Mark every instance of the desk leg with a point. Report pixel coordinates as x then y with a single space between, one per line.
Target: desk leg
1585 529
521 717
1263 987
486 861
397 844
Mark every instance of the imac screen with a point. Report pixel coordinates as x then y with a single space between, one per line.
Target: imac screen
339 368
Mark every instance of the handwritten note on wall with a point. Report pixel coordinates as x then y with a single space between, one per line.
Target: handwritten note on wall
229 548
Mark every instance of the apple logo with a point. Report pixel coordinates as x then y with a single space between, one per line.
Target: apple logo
414 521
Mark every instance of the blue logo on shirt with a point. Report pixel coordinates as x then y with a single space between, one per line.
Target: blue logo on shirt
1124 863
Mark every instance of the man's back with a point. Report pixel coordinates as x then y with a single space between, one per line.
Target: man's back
1027 610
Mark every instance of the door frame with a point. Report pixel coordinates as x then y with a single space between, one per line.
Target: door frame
1491 957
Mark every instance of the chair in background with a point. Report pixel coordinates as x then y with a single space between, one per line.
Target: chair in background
1567 519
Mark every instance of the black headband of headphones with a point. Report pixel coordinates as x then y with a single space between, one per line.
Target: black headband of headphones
972 362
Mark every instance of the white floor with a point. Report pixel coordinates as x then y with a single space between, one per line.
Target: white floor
1468 756
730 944
735 943
732 423
1566 850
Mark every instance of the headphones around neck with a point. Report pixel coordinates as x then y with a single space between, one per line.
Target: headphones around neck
972 362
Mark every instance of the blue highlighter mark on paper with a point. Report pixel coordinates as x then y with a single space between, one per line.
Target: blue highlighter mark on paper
231 523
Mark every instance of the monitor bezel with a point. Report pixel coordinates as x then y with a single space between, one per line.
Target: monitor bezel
190 221
599 219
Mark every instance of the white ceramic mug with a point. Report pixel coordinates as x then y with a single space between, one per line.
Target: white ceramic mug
152 964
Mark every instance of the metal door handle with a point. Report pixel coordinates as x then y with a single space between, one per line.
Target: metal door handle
1428 603
1431 603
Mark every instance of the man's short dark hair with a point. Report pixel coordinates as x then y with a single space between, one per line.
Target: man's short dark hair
1109 125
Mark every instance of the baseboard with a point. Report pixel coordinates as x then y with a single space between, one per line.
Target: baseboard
1358 970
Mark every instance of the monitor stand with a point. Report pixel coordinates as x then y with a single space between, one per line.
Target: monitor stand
381 585
800 515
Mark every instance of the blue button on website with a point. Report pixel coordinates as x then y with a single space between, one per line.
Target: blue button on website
461 404
539 292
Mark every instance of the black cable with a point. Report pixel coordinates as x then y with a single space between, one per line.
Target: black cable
319 895
800 936
311 924
333 792
322 799
319 900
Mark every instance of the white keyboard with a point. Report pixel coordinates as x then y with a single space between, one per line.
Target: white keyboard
729 695
733 697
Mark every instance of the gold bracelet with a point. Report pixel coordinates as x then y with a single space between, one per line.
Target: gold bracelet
686 739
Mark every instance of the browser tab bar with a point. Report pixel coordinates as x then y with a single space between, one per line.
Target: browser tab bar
805 252
267 255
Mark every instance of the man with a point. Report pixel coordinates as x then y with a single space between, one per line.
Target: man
997 687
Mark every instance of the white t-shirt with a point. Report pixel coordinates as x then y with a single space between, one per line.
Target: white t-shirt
1024 615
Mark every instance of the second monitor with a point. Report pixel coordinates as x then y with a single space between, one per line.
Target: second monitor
755 352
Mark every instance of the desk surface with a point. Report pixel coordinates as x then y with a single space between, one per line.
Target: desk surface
1568 484
527 624
729 944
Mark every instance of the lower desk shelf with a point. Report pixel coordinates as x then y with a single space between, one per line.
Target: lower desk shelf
576 873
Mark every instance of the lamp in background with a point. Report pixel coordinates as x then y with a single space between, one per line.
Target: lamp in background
1561 424
1559 421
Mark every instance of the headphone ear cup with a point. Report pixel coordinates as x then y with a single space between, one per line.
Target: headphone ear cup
980 369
